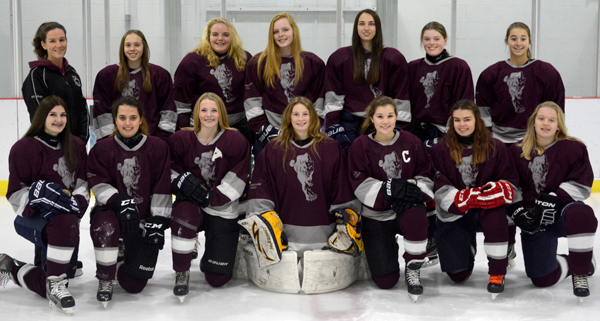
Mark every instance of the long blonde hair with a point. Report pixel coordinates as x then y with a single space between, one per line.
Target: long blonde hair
223 121
272 59
284 140
530 142
235 52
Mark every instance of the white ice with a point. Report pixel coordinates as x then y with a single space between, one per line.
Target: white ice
242 300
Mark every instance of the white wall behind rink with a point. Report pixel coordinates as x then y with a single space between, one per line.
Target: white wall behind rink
582 115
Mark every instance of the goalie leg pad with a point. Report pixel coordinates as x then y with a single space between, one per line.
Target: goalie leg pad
140 262
327 271
281 277
266 231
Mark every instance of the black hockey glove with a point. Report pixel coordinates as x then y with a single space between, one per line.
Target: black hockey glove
266 133
127 213
338 132
401 190
153 232
194 189
546 207
527 221
49 199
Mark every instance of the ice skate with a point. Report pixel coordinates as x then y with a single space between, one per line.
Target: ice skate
581 288
6 264
58 296
592 267
105 291
495 285
412 274
511 255
196 247
182 285
432 253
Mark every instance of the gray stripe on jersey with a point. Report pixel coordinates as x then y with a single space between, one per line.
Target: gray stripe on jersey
486 115
578 192
444 198
103 192
160 205
319 107
183 107
103 126
378 215
333 102
227 211
425 184
231 186
368 190
258 206
354 205
174 175
508 135
82 188
168 120
19 200
233 119
253 107
403 108
273 118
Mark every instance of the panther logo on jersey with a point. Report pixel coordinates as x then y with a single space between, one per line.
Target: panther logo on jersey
516 83
130 170
539 170
288 74
376 91
429 82
392 165
305 167
207 167
468 171
68 178
133 90
224 77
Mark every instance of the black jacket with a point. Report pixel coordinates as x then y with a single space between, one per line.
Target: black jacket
47 79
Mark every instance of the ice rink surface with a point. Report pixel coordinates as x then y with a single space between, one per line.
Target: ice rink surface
242 300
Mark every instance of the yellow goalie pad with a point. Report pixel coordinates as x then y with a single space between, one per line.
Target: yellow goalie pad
266 232
346 238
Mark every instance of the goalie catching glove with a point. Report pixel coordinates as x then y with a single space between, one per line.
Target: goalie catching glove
266 231
346 238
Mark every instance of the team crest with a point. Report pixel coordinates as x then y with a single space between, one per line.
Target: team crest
77 81
68 178
468 171
288 74
305 167
392 165
224 77
132 91
130 170
429 82
539 170
516 83
207 167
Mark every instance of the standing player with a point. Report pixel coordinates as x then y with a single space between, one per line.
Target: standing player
51 74
508 91
300 185
216 65
209 167
475 179
391 174
129 174
278 74
556 177
49 192
359 73
134 76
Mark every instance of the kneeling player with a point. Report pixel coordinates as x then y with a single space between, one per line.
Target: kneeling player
391 174
129 174
300 188
556 177
210 169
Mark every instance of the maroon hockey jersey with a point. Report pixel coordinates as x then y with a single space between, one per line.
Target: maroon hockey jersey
371 163
31 159
195 77
507 95
142 172
159 116
434 88
343 94
264 105
450 177
302 189
222 165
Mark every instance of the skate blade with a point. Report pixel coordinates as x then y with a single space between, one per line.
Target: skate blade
580 301
494 295
62 310
105 304
431 262
511 264
181 298
414 297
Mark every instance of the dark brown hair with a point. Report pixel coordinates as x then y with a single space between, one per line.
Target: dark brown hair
360 56
40 35
131 102
122 80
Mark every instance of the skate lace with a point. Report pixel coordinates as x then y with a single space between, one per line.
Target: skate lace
413 277
580 281
105 286
496 279
59 288
181 278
